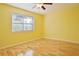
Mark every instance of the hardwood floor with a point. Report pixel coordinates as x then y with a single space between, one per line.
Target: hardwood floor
44 47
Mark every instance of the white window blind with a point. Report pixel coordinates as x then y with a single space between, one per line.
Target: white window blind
22 23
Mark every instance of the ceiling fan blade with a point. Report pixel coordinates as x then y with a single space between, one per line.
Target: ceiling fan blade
43 7
33 6
47 3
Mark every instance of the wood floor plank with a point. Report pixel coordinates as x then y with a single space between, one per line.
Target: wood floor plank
45 47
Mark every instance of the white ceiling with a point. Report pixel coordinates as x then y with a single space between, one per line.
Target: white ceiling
29 7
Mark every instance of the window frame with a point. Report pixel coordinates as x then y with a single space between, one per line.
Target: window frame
16 14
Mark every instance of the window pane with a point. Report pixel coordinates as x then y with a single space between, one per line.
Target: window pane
17 18
28 20
21 23
28 27
17 27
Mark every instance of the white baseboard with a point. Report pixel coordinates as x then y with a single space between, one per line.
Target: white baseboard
60 39
65 40
18 43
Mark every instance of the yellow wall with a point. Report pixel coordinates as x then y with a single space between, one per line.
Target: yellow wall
63 23
7 37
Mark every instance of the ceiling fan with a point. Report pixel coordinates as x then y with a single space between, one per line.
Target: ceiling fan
41 5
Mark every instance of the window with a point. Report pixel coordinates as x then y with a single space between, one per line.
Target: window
22 23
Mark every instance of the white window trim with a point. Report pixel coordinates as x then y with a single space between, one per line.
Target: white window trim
23 23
